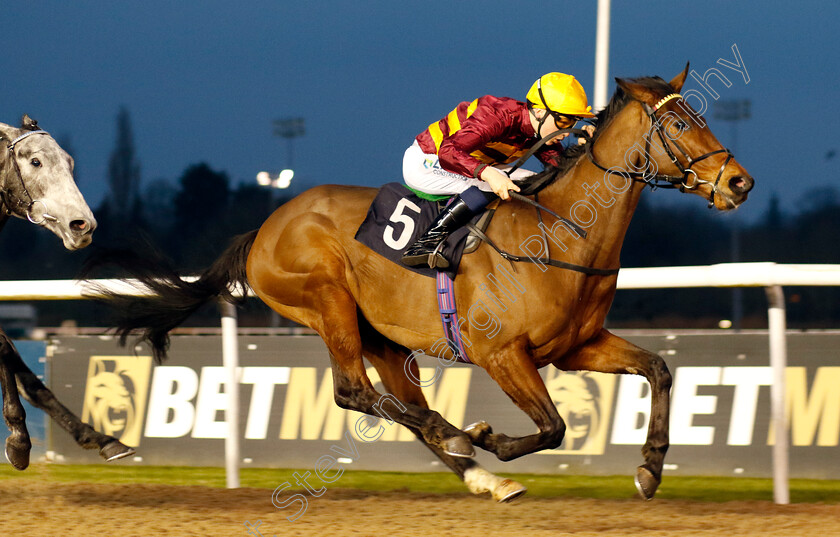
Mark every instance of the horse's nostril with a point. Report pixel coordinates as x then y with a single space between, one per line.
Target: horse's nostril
740 185
79 226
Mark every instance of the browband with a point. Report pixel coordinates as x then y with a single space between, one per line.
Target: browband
25 135
665 99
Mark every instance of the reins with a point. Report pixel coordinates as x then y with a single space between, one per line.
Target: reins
542 260
6 197
573 226
536 147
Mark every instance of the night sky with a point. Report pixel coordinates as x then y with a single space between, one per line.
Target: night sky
204 80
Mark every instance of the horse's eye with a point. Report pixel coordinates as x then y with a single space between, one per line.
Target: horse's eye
677 128
35 162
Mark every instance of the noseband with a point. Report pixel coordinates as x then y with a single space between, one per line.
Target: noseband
663 180
20 204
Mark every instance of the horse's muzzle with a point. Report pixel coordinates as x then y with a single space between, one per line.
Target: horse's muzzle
79 233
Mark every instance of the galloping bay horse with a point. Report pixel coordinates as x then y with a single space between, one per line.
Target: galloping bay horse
36 184
305 264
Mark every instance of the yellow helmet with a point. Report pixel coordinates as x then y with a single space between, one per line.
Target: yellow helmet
559 94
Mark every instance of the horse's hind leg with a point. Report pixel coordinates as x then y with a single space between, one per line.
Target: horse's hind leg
18 444
389 360
338 327
608 353
34 391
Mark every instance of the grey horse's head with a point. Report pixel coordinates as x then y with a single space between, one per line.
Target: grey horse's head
36 183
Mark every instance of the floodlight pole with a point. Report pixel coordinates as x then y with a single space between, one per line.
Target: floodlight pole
290 128
602 55
734 111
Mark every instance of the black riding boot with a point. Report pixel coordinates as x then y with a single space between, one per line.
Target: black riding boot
427 249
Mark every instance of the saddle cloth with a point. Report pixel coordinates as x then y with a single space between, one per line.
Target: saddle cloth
397 217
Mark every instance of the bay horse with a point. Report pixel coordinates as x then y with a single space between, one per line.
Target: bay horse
305 264
36 184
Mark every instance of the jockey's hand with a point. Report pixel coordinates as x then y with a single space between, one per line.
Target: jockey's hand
499 182
590 129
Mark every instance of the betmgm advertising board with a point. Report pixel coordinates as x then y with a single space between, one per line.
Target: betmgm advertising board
174 413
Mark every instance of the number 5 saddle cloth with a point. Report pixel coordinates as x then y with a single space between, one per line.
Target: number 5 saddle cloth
397 217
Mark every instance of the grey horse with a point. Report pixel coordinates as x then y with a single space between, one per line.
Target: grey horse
36 184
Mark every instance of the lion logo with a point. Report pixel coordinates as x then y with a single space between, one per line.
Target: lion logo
584 400
115 396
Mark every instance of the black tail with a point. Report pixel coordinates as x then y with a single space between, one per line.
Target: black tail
172 298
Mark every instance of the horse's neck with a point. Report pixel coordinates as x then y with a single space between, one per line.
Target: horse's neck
5 174
600 202
5 171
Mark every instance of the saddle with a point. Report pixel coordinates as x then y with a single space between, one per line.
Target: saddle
397 217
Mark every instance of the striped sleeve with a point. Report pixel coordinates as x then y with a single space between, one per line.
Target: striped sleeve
478 130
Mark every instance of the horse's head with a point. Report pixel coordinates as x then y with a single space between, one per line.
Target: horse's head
36 183
679 147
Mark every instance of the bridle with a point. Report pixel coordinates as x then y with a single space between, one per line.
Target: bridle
664 180
23 207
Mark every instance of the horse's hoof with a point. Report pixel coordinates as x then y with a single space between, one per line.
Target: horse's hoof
17 453
478 431
115 450
458 446
646 483
508 490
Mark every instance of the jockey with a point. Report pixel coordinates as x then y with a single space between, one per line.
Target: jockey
467 153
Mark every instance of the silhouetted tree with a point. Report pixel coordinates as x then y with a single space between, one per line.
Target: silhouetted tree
200 207
249 207
66 143
158 209
123 173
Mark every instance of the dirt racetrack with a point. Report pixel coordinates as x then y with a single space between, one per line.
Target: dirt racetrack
80 509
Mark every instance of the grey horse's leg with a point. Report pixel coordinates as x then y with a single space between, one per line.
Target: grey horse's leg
34 391
18 444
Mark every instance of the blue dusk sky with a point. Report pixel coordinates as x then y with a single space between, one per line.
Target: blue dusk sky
203 81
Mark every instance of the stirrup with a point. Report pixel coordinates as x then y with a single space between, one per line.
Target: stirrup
434 259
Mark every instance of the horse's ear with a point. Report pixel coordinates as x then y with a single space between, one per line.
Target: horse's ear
29 124
7 132
637 91
679 80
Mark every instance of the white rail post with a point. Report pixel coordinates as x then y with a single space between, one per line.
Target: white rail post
778 361
230 360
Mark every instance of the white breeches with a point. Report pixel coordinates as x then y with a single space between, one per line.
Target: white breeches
422 172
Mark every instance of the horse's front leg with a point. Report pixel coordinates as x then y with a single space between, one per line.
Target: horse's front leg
34 391
18 444
608 353
515 372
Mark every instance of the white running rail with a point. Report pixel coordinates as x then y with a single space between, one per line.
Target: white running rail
773 277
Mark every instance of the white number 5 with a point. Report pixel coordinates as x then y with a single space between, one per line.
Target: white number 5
399 218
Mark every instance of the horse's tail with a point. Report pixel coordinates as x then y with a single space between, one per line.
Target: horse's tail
170 299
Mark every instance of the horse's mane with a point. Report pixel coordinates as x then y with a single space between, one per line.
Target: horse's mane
573 154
